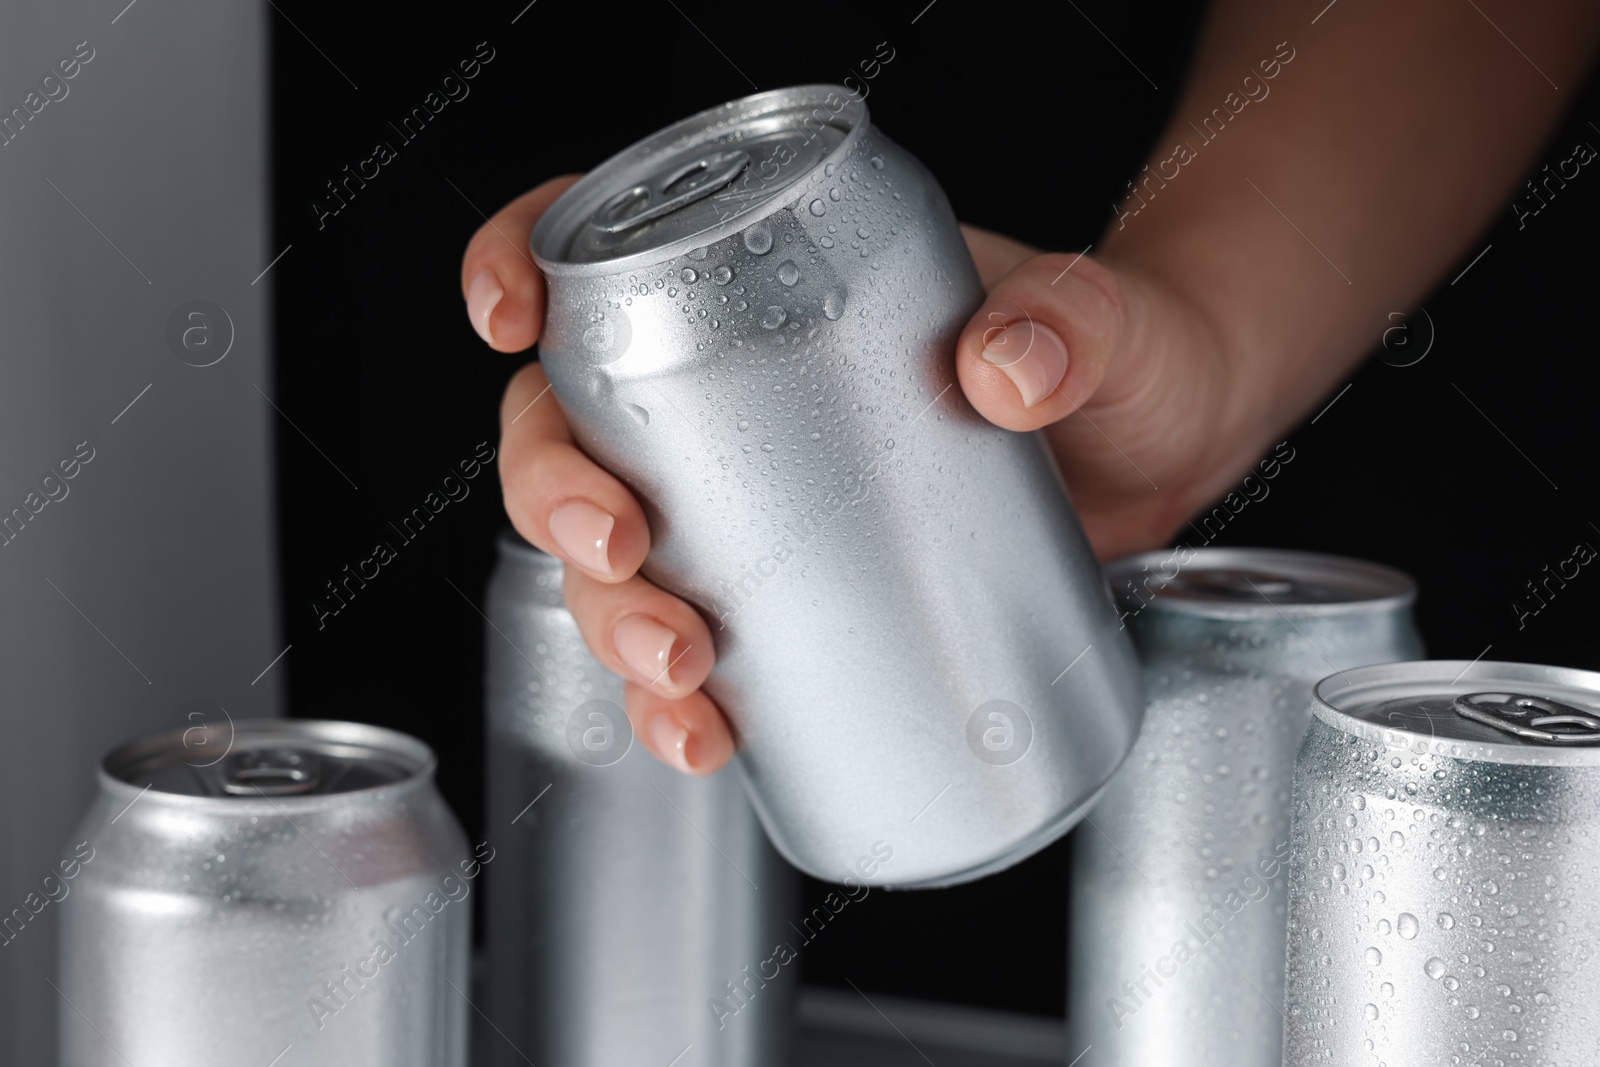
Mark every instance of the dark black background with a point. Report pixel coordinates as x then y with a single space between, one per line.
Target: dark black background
1033 122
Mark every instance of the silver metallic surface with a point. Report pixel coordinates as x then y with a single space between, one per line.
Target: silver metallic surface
913 640
1178 891
1442 883
625 897
210 926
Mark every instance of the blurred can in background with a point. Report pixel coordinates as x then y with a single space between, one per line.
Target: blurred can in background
1442 884
752 320
1178 884
635 913
269 888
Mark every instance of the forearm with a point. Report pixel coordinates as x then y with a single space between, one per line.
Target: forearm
1300 210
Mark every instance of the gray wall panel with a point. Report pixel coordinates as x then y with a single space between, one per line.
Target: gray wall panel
163 543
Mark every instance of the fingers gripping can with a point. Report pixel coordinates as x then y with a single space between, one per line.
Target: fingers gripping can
637 913
1178 883
751 321
1446 851
303 895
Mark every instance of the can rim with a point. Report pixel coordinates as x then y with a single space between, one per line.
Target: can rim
416 756
1453 678
582 198
1401 594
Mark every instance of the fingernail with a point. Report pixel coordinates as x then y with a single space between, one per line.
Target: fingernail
584 533
1033 356
646 647
483 296
671 741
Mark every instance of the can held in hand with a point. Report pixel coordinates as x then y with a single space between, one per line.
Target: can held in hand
1446 852
752 315
1178 883
268 888
637 914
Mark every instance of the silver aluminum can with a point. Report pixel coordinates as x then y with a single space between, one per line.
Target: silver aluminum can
1442 885
269 888
751 322
634 911
1178 883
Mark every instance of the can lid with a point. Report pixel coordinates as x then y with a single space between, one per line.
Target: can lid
1244 583
1493 712
699 179
269 758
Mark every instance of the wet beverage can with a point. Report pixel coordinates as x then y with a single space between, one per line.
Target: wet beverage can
1178 881
269 888
1445 852
635 912
752 317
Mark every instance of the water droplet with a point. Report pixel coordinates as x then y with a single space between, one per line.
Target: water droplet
1472 1012
1490 888
767 446
689 275
1338 872
640 415
833 194
788 273
818 207
833 304
1384 928
1370 1011
1446 920
744 424
774 318
758 238
722 275
861 232
1434 968
697 253
1387 989
825 242
1373 957
1407 925
1397 839
1508 1035
1358 802
877 162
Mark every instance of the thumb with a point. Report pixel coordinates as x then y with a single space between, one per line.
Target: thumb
1040 345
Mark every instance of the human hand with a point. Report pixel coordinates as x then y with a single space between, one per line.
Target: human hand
1058 335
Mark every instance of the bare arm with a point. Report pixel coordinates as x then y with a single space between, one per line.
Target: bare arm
1281 218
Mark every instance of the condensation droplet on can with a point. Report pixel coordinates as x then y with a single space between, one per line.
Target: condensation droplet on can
758 238
833 304
818 207
788 273
640 415
1407 926
774 317
722 275
689 275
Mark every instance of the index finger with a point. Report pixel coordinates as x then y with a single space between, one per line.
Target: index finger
503 288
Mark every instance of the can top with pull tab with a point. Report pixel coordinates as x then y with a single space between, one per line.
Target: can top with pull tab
698 180
1238 583
276 760
1512 713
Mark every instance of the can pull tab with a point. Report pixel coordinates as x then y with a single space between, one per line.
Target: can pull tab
1531 718
1228 583
272 772
669 190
